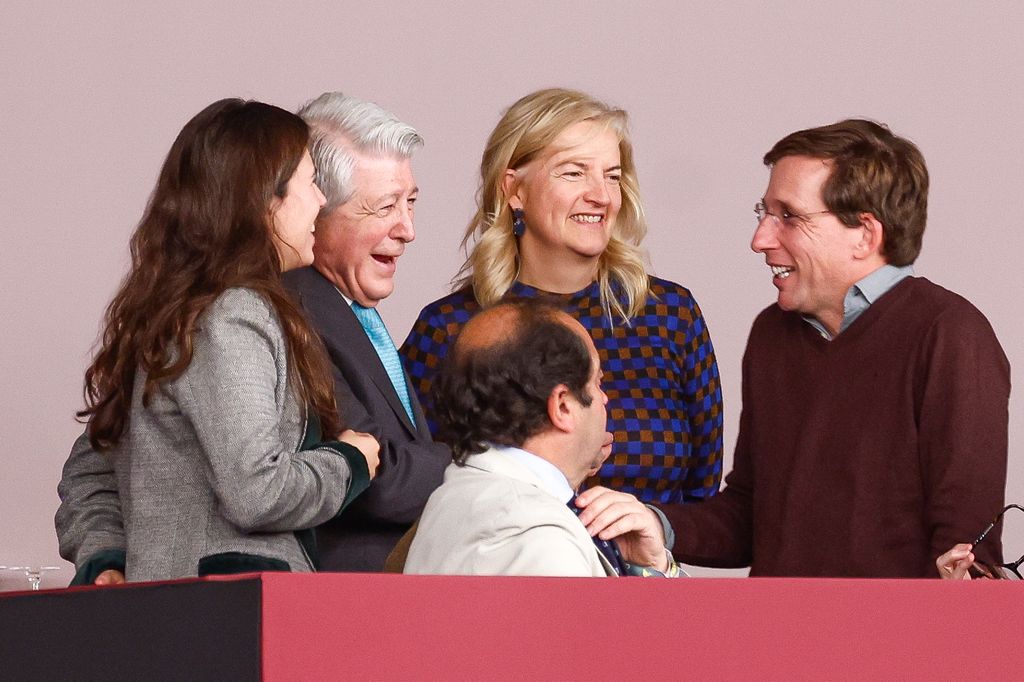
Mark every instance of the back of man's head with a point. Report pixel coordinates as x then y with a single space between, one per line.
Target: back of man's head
493 386
873 171
341 127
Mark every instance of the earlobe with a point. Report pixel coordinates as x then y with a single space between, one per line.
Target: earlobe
872 236
560 413
509 187
275 206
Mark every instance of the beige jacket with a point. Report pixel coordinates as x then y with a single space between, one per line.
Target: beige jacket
493 516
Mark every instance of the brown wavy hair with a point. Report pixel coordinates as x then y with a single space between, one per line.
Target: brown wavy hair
873 170
207 228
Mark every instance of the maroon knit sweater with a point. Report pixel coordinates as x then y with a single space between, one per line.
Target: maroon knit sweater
868 455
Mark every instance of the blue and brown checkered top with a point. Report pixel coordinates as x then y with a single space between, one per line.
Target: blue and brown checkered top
660 375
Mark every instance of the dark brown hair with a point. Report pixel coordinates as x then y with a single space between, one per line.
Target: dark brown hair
873 171
206 229
497 392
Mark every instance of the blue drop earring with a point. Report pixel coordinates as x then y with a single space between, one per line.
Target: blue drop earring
518 222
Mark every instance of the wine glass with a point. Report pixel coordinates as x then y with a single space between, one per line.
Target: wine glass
33 573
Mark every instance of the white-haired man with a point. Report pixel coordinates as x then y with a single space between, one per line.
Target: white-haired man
362 154
363 159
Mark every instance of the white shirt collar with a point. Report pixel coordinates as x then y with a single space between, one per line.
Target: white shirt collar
551 476
348 300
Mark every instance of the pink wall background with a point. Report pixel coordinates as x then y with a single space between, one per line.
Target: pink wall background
93 94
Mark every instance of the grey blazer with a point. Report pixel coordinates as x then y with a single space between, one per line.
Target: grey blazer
493 516
211 477
411 463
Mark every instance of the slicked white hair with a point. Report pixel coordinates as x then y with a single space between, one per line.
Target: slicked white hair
342 124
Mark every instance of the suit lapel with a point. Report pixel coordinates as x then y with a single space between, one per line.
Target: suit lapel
341 330
417 409
605 564
368 354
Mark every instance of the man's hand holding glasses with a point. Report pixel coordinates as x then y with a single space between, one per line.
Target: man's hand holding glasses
959 562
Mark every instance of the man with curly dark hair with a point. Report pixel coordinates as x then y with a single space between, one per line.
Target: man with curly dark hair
519 399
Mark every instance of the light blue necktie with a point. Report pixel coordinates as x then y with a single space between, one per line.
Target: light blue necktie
385 347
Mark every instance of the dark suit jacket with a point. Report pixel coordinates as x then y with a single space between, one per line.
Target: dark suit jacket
411 463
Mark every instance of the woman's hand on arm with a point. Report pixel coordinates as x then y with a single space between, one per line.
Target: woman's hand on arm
110 577
366 444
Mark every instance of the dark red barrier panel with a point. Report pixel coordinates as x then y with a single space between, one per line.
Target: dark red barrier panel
430 627
370 627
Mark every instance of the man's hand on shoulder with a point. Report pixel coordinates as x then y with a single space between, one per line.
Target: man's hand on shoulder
613 515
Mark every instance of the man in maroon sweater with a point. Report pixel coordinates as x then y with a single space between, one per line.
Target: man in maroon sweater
875 404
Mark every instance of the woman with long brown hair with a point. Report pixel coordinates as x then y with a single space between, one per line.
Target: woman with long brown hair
210 391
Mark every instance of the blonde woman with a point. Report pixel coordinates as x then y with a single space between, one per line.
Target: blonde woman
559 216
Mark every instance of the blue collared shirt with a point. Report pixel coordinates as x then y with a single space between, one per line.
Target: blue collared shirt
865 292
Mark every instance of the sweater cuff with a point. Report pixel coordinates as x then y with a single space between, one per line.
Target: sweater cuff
356 464
103 560
666 527
674 569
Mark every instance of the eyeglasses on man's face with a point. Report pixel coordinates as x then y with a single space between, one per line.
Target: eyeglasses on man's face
785 217
1010 571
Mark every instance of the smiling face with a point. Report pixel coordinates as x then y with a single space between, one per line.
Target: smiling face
814 259
294 215
571 196
359 243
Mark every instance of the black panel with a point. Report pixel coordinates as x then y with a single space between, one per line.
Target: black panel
184 631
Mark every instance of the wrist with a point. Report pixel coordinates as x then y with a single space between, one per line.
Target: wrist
666 567
664 561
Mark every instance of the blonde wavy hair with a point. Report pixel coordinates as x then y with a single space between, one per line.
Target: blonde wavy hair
526 129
